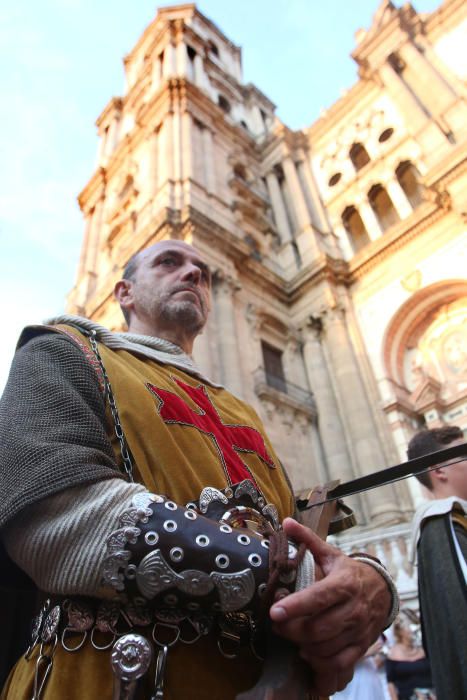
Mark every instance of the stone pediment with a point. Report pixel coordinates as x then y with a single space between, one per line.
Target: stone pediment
382 16
385 11
426 394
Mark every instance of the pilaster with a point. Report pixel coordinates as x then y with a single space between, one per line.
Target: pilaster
224 289
278 207
356 411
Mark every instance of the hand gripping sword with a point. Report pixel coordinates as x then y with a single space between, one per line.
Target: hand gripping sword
284 675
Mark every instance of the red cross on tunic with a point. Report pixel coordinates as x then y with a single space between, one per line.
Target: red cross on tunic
228 439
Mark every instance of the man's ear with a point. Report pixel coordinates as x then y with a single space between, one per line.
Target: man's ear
123 292
439 475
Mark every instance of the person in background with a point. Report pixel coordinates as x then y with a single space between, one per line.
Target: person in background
439 542
407 667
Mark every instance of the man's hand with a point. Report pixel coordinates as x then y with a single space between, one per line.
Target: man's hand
334 621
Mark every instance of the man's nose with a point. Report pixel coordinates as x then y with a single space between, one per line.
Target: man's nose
192 272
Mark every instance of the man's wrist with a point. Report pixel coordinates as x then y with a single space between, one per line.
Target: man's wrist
384 573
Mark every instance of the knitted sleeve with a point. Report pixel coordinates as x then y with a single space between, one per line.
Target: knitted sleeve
61 544
52 425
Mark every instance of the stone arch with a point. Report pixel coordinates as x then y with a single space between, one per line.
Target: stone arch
439 311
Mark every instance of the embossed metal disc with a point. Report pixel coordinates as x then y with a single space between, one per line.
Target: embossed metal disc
51 624
131 657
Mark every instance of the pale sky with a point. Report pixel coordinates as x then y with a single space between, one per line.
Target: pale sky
60 63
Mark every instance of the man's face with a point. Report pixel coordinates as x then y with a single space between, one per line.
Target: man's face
455 474
172 287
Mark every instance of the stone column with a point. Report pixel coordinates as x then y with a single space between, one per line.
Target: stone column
166 160
169 68
333 439
208 145
156 74
202 353
344 241
318 454
434 90
181 58
278 207
370 219
295 189
398 198
306 239
415 116
357 412
318 213
187 148
224 288
153 156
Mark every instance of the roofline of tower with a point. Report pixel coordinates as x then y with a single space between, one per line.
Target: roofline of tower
174 8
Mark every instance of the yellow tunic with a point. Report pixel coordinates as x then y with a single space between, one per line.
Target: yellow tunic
183 435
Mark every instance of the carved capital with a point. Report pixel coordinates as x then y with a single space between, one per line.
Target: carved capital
224 284
440 197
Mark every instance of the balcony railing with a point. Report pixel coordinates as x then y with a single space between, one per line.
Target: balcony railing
264 380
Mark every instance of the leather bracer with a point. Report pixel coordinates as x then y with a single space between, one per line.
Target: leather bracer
169 556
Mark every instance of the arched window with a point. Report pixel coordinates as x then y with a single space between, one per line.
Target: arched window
408 176
224 104
212 48
355 228
359 156
382 206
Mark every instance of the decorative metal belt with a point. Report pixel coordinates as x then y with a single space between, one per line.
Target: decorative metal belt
131 632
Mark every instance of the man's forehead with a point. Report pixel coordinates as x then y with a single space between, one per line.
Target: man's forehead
170 245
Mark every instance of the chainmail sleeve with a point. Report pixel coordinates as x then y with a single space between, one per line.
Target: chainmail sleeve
52 425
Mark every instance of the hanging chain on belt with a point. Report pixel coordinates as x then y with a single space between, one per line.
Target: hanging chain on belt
127 463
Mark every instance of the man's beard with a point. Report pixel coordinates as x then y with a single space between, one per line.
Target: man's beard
183 312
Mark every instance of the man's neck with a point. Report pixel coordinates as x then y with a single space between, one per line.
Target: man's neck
177 336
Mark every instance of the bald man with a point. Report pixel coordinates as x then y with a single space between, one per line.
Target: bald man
143 500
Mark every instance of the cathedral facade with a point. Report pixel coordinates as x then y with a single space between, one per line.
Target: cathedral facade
339 252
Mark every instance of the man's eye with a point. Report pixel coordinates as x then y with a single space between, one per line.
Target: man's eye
167 261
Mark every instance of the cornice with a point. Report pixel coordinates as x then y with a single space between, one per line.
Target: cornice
114 104
93 190
443 19
236 250
325 269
